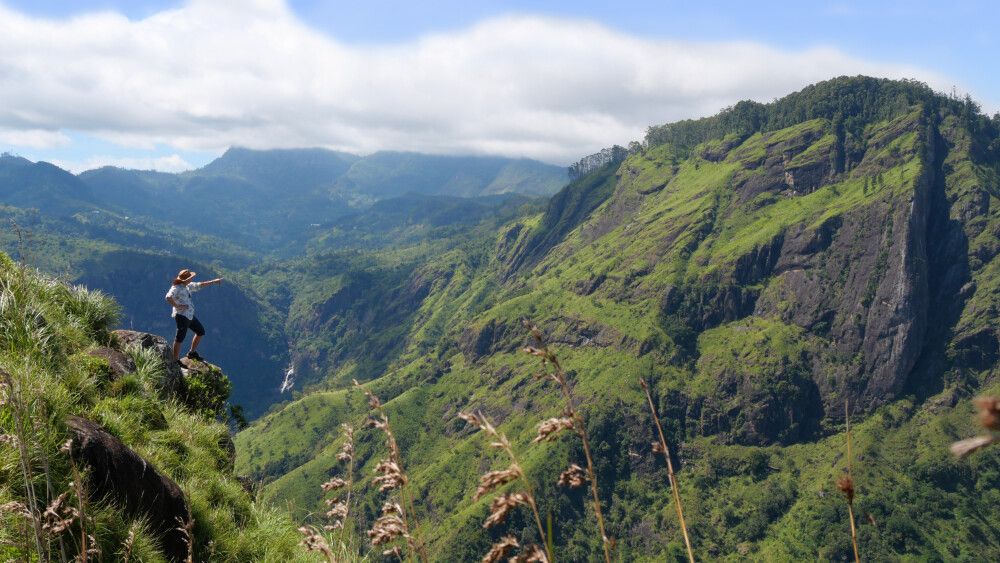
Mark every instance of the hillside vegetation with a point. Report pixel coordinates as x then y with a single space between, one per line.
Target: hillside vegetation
56 365
761 269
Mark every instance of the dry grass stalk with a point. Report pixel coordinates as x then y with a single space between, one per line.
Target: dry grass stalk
396 521
340 507
503 504
662 447
187 530
846 485
11 396
553 370
989 419
81 498
501 549
314 541
128 545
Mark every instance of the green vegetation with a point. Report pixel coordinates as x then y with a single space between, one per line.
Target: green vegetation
740 292
46 331
759 269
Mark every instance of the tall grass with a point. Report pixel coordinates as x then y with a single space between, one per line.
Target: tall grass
846 485
503 504
46 514
552 370
664 449
398 519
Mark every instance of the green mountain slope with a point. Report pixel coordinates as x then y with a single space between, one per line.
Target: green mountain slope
387 174
762 268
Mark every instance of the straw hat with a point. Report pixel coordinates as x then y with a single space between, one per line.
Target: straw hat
184 276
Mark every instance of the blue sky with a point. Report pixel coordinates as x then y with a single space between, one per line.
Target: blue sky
947 44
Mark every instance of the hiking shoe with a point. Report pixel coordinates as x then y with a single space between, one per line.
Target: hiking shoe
195 356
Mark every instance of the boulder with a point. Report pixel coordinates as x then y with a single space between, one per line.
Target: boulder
120 363
172 378
119 475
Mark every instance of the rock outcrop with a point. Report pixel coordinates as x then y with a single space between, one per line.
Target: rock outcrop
173 378
119 363
119 475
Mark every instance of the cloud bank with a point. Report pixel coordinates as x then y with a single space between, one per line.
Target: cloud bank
172 163
216 73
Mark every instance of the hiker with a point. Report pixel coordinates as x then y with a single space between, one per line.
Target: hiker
179 298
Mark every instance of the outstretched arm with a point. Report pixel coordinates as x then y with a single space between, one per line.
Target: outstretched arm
216 281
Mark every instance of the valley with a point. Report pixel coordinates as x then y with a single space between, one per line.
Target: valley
760 269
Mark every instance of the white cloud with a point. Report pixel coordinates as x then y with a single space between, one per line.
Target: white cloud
33 138
215 73
172 163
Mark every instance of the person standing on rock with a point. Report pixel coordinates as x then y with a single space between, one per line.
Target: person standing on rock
179 298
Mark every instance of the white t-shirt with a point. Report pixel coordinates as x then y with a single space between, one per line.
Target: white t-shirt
182 296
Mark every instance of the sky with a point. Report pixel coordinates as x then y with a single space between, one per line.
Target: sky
169 85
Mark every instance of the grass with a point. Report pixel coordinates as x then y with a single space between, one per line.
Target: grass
46 329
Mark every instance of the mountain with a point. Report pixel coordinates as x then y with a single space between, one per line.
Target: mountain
387 174
306 169
42 186
122 230
763 269
273 200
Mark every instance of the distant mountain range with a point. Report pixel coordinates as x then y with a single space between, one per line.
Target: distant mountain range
127 232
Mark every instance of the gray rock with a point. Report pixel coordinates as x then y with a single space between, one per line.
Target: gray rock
120 363
173 377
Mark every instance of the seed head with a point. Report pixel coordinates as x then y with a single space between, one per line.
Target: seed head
501 549
333 484
531 554
965 447
391 476
347 450
314 541
373 401
471 418
388 526
846 486
59 515
338 510
501 507
490 481
989 412
573 477
549 429
15 507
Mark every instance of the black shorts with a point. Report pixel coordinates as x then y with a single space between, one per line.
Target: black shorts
183 323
